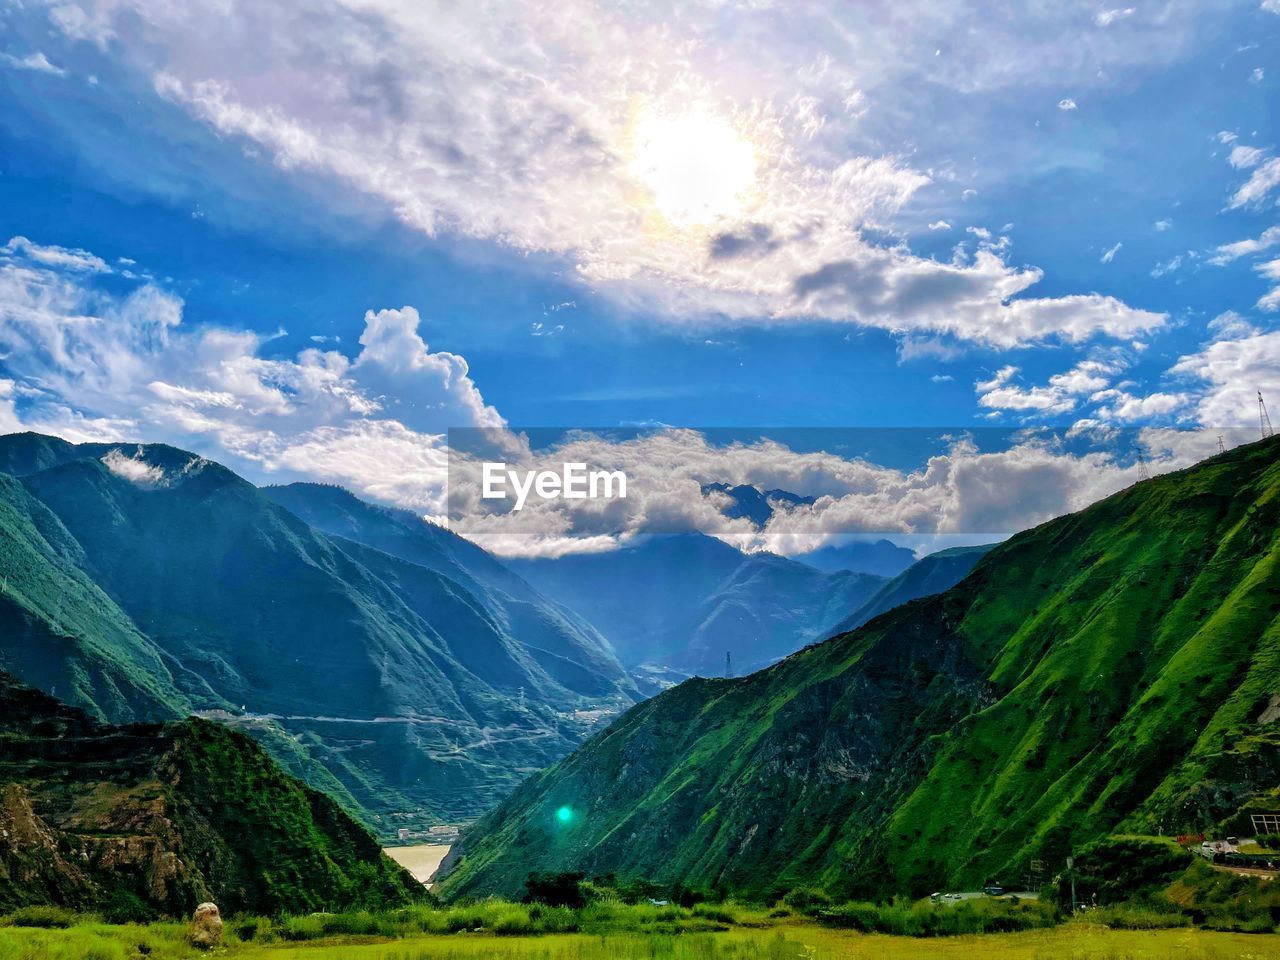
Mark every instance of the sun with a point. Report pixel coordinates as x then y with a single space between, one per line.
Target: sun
695 165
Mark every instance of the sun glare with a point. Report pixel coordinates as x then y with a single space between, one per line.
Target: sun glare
696 165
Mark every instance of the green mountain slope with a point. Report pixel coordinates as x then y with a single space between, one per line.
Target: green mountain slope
62 631
1113 670
569 648
157 818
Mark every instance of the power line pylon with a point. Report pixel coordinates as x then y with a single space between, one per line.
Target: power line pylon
1264 420
1143 472
728 665
1222 447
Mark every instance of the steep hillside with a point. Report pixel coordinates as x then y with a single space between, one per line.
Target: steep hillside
1110 671
682 602
62 632
150 819
372 676
570 649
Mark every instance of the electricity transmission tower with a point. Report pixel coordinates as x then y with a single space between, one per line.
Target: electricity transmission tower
728 665
1222 447
1264 420
1143 472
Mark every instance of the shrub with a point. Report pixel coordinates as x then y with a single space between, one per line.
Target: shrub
48 917
555 889
1153 915
302 928
253 929
124 906
807 899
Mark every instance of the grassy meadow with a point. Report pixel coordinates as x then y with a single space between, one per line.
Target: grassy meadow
496 930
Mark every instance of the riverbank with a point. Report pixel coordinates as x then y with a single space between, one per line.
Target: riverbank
420 859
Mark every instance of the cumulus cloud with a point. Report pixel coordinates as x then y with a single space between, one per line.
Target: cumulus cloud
1111 253
1127 407
1243 158
1066 103
542 128
1229 373
962 489
1063 393
87 363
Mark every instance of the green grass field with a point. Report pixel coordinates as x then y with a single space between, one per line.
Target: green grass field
786 939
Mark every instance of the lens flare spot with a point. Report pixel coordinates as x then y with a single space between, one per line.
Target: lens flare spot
564 814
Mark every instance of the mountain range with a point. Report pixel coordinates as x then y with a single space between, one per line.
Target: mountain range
416 683
673 606
1111 671
381 658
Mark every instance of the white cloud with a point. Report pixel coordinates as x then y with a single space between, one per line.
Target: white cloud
1244 158
1229 373
1163 225
521 125
1062 394
1231 326
939 225
1257 76
36 62
1104 18
1066 103
134 469
1244 248
1111 253
1271 6
959 490
86 363
81 261
1264 179
1127 407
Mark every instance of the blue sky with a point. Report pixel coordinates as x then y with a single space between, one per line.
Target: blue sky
689 214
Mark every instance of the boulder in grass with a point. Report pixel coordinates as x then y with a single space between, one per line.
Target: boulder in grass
206 926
